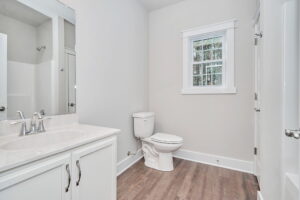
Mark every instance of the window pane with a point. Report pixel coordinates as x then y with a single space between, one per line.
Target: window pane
207 44
218 43
206 71
196 69
217 79
198 56
197 51
217 54
207 55
204 80
196 81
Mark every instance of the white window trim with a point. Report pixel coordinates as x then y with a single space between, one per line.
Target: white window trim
228 87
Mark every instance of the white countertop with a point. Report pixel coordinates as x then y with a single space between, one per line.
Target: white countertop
16 151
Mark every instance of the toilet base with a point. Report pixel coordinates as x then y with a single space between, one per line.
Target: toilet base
163 163
157 160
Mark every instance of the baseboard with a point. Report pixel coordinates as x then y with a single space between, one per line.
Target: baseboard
124 164
219 161
259 196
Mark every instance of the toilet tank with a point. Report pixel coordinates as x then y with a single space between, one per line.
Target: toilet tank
143 124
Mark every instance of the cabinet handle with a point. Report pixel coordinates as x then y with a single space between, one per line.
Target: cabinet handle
69 178
79 171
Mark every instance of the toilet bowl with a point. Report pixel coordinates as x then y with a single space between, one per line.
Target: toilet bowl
159 154
157 148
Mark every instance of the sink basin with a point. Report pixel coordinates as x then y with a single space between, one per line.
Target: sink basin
42 140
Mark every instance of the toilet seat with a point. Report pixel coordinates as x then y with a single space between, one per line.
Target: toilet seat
166 138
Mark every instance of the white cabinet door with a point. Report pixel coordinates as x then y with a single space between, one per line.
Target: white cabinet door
94 171
44 181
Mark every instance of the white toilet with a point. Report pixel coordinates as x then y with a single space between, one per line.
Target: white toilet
157 148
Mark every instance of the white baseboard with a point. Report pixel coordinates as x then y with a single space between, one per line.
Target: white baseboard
124 164
259 196
219 161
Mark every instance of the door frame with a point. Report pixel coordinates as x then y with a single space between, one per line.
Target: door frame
257 92
3 75
68 52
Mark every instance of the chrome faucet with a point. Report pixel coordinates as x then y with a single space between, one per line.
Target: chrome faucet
23 130
36 124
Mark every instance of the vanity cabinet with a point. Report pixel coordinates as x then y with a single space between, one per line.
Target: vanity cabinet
84 173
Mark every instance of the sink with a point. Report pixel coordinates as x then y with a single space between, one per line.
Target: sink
42 140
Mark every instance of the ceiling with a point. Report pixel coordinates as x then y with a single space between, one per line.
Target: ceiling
156 4
20 12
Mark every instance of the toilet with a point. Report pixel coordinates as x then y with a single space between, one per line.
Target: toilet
157 148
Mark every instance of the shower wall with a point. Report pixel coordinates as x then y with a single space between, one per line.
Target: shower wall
44 38
21 38
44 67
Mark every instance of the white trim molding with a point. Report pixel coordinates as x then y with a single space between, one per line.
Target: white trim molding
226 30
219 161
126 163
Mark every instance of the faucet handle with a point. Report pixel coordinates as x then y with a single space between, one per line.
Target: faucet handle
23 130
41 126
21 115
39 115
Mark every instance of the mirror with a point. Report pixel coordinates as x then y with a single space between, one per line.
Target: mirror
37 58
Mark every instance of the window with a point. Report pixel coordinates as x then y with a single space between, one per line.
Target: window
208 59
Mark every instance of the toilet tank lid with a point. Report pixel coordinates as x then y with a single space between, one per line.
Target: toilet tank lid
143 115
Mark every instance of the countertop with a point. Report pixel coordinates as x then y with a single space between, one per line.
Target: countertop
43 145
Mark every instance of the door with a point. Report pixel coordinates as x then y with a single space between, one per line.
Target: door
94 171
257 94
290 140
70 59
3 76
44 181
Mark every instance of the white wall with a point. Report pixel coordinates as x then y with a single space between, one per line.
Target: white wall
21 40
111 65
213 124
44 38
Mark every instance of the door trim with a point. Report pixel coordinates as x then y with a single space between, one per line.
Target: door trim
3 75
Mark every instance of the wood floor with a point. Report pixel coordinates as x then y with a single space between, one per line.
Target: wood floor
189 181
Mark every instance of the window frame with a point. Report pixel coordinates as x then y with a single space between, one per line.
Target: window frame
224 29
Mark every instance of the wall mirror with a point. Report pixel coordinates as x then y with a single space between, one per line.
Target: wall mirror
37 58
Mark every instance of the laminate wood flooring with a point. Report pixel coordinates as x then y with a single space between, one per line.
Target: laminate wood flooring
189 181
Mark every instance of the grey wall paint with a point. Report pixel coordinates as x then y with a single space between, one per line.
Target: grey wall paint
21 40
213 124
111 65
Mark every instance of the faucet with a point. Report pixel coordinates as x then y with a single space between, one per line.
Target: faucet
36 124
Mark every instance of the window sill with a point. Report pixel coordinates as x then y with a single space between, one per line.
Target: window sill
195 91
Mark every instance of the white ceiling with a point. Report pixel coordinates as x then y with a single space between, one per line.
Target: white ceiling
20 12
156 4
